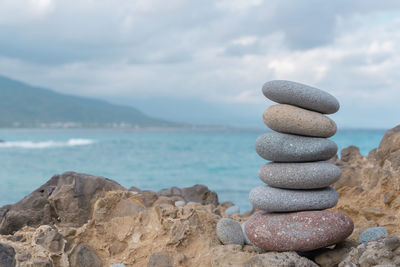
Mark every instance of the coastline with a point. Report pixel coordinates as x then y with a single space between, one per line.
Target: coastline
74 218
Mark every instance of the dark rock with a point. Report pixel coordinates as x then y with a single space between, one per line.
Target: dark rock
328 257
66 199
159 260
197 193
134 189
42 263
16 238
372 155
84 256
350 153
283 259
148 197
51 240
23 256
7 256
173 191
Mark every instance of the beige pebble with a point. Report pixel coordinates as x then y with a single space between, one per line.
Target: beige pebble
294 120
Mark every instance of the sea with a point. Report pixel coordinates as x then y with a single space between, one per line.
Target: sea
223 159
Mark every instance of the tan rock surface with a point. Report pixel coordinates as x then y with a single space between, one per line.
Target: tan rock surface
123 230
294 120
369 189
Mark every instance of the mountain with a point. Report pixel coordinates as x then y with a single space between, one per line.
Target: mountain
22 105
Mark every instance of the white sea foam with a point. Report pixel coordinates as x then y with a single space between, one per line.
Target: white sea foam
46 144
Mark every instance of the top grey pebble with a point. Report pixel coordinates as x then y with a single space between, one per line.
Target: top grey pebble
301 95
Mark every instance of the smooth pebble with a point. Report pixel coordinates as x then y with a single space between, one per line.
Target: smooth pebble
298 231
372 234
179 203
281 147
305 175
273 199
229 231
301 95
294 120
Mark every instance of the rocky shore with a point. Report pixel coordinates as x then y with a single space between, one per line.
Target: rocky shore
81 220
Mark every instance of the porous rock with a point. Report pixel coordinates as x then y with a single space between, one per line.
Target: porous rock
66 199
373 253
50 239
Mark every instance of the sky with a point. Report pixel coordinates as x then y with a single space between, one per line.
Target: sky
206 61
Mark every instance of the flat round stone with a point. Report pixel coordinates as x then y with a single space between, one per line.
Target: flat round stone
229 231
305 175
294 120
301 95
281 147
298 231
372 234
273 199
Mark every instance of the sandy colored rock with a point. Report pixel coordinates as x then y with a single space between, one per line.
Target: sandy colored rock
122 230
294 120
369 187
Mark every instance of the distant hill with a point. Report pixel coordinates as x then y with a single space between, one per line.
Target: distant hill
22 105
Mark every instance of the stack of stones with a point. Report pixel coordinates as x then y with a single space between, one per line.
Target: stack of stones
297 190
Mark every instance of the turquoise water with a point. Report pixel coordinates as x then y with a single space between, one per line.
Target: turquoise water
225 161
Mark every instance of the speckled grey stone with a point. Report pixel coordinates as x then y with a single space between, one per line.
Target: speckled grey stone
118 265
273 199
232 210
301 95
281 147
305 175
372 234
229 231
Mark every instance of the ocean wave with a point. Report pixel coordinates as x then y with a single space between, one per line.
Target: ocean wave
46 144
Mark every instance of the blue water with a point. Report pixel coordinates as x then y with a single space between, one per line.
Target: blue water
225 161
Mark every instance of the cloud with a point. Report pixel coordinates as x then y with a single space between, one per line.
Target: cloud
218 52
